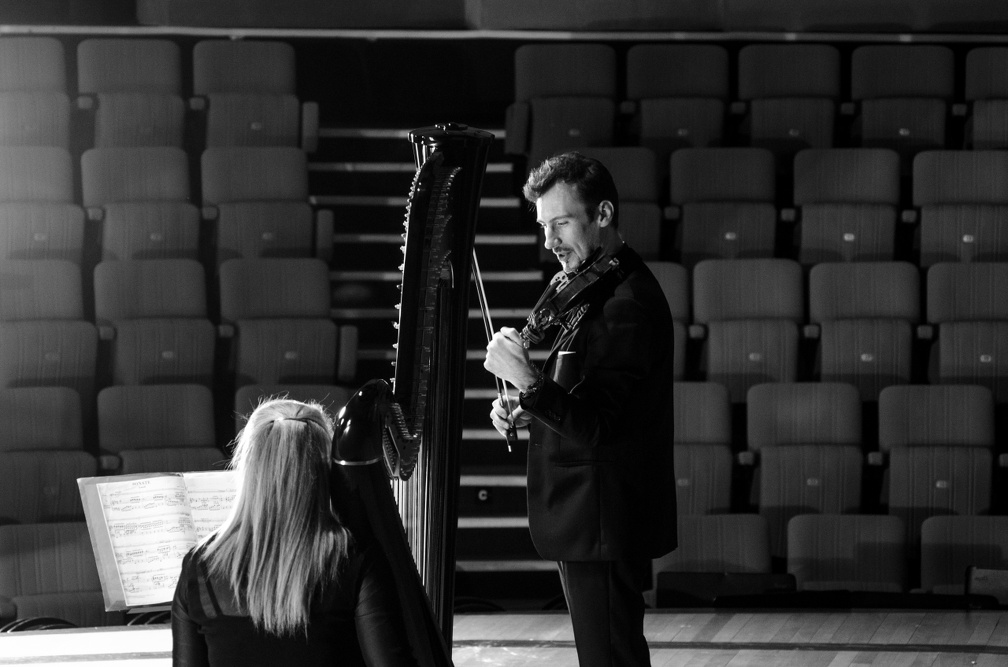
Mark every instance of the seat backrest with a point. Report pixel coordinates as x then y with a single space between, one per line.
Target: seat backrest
675 283
136 173
702 414
244 66
274 288
719 543
136 289
565 70
887 71
40 418
788 70
844 551
984 76
864 290
741 289
960 177
41 486
722 174
36 231
677 70
936 415
803 413
36 173
119 65
155 417
47 558
254 173
634 170
950 544
32 64
40 289
966 292
847 176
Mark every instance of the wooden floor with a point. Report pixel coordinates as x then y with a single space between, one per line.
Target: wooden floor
694 639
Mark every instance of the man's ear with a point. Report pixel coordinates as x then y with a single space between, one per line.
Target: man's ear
605 213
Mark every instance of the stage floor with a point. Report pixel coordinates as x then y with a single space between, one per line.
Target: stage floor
694 638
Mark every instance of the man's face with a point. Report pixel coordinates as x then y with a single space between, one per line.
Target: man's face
570 233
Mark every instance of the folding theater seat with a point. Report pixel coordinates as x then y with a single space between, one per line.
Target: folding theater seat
141 429
723 199
702 446
748 311
853 552
134 87
635 172
939 442
952 544
38 216
846 203
674 282
791 91
962 197
986 93
258 198
565 98
677 94
248 89
154 312
34 106
863 314
904 92
278 313
968 308
49 570
141 196
807 437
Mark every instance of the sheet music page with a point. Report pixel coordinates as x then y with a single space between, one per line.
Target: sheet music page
151 530
211 495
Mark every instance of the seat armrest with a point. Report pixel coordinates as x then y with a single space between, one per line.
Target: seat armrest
960 109
197 103
209 212
672 212
324 229
738 108
747 458
346 355
877 459
628 107
909 216
225 331
697 332
95 213
109 463
926 332
106 331
86 102
789 214
811 331
848 108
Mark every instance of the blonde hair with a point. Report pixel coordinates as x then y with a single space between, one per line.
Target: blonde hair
282 540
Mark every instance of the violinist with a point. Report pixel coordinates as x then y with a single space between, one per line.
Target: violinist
601 487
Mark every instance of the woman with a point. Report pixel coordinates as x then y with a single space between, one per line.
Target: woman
282 581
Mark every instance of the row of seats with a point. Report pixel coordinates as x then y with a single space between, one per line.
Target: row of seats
830 552
788 96
134 90
257 197
746 319
805 451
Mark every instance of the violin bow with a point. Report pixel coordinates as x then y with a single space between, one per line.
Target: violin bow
512 433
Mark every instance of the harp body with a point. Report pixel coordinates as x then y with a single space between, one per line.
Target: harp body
415 425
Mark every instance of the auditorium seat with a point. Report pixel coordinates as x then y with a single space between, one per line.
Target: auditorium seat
986 93
141 196
790 93
157 428
676 94
702 447
134 88
565 98
49 570
329 396
846 203
154 312
852 552
748 311
635 171
278 313
967 307
951 544
258 199
939 440
723 200
34 106
37 418
805 439
863 314
904 91
248 89
962 198
674 281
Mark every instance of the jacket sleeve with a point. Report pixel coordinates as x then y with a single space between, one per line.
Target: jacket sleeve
378 617
189 648
622 349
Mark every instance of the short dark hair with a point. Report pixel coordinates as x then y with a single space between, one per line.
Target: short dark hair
590 179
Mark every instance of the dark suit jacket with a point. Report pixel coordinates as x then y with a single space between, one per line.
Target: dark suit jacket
601 484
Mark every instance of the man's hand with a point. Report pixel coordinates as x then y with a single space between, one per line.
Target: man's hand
502 417
508 359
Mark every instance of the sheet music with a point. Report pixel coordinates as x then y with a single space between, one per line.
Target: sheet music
211 495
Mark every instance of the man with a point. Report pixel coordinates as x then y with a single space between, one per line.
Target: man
601 488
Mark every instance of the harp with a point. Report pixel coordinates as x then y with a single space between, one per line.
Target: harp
410 431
